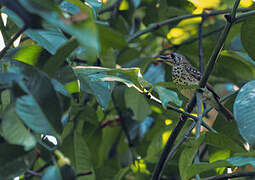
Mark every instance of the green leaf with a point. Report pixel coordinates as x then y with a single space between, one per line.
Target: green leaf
14 160
167 96
244 112
40 110
58 59
241 161
187 156
233 68
14 132
29 54
138 103
52 172
203 167
222 141
50 37
247 37
76 149
110 38
84 30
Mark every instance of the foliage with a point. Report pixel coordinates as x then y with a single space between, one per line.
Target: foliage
84 73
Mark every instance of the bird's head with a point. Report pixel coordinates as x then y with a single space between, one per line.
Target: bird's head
171 59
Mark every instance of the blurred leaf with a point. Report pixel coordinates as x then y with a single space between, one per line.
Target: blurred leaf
13 130
241 161
31 55
155 73
52 172
229 61
203 167
222 141
247 36
187 156
244 112
76 149
138 103
50 38
110 38
167 96
83 30
40 110
67 172
6 77
59 58
14 160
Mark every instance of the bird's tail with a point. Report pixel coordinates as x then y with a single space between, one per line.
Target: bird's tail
227 113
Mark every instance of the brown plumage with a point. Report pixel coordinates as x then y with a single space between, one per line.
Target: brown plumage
183 73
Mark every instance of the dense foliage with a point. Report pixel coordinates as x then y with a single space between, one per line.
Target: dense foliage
83 72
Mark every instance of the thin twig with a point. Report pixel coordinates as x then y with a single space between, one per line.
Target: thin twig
231 175
34 173
169 145
245 15
221 100
200 47
150 96
84 174
114 8
9 44
155 26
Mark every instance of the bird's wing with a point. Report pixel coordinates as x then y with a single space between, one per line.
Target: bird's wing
193 71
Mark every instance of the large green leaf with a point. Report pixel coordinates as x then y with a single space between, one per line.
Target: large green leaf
244 112
222 141
187 156
138 103
41 108
14 161
76 149
247 37
14 131
32 55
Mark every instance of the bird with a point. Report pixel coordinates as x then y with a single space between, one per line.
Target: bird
185 75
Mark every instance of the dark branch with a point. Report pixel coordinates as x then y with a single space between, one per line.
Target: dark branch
84 174
9 44
156 26
231 175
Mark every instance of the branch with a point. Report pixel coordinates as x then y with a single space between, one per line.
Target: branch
162 161
84 174
114 7
231 175
186 114
155 26
9 44
245 15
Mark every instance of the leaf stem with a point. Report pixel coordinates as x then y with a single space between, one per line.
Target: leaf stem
245 15
9 44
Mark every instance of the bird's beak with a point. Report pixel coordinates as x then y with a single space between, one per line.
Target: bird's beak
160 58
